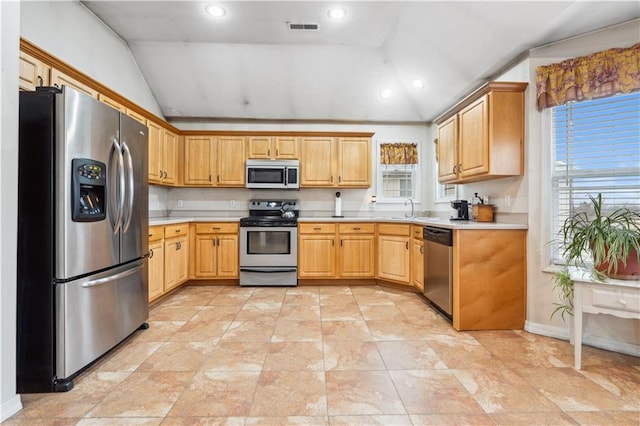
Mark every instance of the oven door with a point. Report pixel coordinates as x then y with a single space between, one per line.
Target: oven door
268 246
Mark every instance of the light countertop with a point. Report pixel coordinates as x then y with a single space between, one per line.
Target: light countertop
431 221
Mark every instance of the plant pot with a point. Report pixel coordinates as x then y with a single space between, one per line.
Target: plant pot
629 272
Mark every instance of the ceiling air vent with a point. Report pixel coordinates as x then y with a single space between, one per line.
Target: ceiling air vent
303 27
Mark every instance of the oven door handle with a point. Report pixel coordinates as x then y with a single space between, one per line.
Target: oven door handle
268 270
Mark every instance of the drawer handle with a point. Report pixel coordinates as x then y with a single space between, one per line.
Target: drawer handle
215 228
150 253
623 302
178 230
356 228
317 229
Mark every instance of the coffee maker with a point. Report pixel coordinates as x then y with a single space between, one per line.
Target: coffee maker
462 210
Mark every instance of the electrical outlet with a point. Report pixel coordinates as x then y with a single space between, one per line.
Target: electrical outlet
507 200
232 203
180 203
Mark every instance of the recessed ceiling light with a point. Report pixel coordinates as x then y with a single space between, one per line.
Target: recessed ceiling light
337 13
417 83
215 10
385 93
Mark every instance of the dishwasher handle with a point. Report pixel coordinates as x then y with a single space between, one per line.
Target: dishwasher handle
442 236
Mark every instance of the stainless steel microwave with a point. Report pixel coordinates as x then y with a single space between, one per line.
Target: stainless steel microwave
273 174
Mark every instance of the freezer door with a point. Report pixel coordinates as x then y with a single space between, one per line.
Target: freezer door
95 313
85 129
134 230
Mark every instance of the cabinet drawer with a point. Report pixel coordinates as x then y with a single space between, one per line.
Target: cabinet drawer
357 228
394 229
317 228
616 299
176 230
416 231
156 233
216 228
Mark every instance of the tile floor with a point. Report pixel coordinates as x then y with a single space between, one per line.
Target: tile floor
339 356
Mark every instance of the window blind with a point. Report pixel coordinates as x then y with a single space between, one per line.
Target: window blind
596 149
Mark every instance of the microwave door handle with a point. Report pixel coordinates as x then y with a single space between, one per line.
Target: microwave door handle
286 176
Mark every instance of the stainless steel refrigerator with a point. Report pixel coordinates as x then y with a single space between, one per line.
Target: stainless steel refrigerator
82 235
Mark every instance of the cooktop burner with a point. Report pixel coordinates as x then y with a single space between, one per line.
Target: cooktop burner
272 213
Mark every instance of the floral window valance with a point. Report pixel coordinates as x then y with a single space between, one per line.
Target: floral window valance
594 76
398 153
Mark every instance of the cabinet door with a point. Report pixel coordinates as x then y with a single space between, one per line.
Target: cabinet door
357 256
393 258
112 103
182 260
32 73
136 116
170 157
446 150
156 142
172 263
206 256
156 269
231 161
227 256
199 155
60 79
259 147
316 256
286 148
354 162
317 162
417 264
473 145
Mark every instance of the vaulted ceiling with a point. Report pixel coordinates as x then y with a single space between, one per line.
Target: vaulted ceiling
249 64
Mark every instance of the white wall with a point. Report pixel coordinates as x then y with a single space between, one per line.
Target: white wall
70 32
313 202
9 42
600 330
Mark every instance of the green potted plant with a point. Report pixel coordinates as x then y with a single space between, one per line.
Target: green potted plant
611 241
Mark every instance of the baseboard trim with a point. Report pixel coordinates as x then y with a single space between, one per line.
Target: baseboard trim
587 339
10 407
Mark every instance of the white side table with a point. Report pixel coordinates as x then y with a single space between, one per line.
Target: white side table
614 297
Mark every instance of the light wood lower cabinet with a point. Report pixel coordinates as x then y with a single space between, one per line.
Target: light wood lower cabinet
417 258
489 279
156 262
394 252
316 250
176 252
357 250
214 250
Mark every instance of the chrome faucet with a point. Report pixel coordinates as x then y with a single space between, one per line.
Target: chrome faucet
405 203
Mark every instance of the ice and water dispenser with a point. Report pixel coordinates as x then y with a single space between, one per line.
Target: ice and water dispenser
88 190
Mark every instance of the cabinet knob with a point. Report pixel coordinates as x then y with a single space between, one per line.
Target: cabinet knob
406 244
454 170
178 246
150 253
421 250
277 153
40 81
269 152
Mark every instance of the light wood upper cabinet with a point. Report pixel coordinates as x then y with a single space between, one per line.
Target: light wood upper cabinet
136 116
170 157
483 137
112 103
32 73
272 148
60 79
354 162
163 154
447 153
231 161
394 252
214 161
335 162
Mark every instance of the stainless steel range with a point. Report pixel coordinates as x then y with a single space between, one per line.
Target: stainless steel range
269 244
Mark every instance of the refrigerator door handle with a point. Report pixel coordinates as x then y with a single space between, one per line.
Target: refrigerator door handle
130 190
121 183
110 278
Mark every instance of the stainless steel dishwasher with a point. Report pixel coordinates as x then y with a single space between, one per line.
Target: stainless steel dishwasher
438 259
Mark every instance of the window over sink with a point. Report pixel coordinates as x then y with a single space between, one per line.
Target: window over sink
398 176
